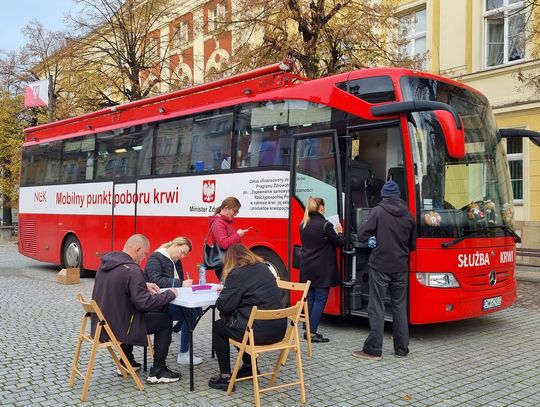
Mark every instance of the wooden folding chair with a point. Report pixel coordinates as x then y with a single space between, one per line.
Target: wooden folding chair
304 316
149 346
112 345
289 341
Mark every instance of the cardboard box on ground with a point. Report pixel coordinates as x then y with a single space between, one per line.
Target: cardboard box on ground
69 276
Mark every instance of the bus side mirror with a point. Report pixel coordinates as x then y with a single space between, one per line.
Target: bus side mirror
454 135
447 116
534 136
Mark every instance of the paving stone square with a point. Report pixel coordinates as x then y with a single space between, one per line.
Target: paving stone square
490 361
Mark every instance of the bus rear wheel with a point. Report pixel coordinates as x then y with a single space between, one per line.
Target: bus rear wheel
277 268
72 256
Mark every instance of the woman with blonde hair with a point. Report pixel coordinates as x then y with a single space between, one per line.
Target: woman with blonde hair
222 231
247 282
318 260
164 268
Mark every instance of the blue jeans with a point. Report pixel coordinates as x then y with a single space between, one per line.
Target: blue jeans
181 314
316 299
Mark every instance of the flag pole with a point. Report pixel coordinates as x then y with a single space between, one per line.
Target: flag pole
51 100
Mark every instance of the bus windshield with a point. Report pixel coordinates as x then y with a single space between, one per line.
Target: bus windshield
458 197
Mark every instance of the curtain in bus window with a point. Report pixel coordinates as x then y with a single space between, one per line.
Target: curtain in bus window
173 146
78 159
212 137
41 164
124 153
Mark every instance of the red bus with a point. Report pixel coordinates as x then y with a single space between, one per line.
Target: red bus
272 138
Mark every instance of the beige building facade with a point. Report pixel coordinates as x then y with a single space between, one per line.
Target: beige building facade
483 44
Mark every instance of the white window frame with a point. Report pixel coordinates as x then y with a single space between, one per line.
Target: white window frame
505 11
517 157
413 38
216 16
181 34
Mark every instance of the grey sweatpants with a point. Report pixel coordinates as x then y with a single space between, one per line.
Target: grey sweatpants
396 284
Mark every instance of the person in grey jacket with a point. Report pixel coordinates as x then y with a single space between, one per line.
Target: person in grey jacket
247 282
394 229
133 307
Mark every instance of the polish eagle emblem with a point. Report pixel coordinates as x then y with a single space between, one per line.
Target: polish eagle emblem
209 190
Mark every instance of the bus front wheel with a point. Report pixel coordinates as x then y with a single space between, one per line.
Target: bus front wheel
72 255
277 268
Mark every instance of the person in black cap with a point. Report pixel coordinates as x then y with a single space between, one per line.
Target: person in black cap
395 233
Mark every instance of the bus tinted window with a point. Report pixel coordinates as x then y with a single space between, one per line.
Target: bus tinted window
263 130
41 164
124 152
78 159
173 146
212 136
377 89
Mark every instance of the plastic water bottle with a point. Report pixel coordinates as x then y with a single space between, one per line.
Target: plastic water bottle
372 242
202 274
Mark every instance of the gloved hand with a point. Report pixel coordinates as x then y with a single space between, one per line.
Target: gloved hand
372 242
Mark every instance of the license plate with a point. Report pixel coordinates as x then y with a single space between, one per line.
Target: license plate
490 303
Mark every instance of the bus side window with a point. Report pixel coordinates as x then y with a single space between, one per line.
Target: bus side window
173 145
212 139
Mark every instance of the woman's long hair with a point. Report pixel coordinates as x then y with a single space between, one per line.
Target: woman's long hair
238 255
179 241
313 204
231 202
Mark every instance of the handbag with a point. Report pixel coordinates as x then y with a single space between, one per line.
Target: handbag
213 255
297 256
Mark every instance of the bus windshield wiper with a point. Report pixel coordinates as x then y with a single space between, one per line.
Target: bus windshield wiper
446 245
507 229
483 231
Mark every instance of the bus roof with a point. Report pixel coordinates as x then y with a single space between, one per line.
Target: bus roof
249 86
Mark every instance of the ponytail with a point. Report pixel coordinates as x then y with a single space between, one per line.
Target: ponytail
230 202
313 204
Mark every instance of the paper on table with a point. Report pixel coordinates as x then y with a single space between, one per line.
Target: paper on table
334 220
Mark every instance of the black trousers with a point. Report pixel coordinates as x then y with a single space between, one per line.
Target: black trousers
396 284
159 324
221 334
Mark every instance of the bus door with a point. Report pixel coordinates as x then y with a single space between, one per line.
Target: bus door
375 154
124 213
315 172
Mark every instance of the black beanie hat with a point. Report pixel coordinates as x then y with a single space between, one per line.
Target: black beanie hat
390 190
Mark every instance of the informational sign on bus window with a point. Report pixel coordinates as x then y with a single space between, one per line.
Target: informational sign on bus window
262 195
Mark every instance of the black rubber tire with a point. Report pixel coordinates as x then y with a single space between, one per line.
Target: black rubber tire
276 267
72 256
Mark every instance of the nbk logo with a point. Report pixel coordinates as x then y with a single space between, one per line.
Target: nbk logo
209 190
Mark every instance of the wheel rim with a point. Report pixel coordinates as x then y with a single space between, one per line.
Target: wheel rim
273 269
73 254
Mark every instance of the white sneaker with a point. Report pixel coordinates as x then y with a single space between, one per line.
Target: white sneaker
183 359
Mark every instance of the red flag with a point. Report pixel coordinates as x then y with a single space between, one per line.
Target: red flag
36 94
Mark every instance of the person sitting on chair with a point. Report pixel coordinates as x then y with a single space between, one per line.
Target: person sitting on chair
133 307
247 282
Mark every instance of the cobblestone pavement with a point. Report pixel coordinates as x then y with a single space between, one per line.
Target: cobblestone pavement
490 361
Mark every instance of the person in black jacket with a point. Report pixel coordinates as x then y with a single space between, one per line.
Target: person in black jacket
318 261
394 229
164 267
133 307
247 282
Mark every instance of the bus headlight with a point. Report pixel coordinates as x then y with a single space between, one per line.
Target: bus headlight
441 280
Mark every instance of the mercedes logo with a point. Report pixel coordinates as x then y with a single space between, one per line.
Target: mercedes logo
492 278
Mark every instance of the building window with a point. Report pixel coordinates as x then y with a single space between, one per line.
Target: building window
217 16
181 34
412 28
152 48
504 31
514 150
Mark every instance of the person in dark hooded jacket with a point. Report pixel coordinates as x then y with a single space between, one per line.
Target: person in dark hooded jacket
134 308
394 229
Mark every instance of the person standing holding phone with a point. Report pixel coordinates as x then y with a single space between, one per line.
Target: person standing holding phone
318 260
222 230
